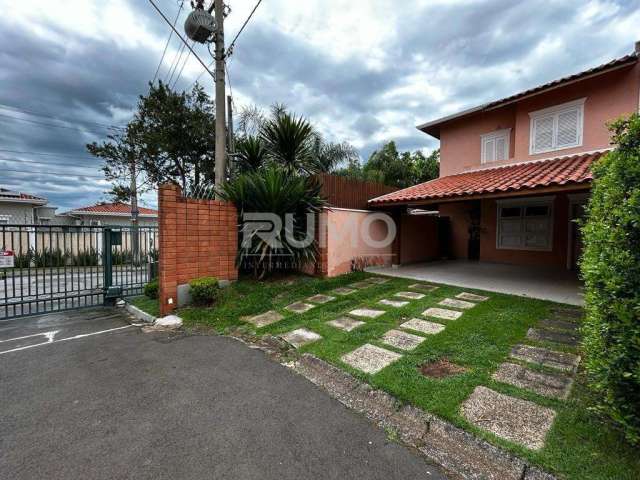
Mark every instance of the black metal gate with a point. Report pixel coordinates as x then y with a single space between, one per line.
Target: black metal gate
47 268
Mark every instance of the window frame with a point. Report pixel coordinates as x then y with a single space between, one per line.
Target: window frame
495 135
554 112
5 219
523 203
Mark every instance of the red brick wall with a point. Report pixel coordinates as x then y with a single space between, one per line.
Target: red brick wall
198 238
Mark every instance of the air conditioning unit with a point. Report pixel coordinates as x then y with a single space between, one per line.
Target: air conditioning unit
200 26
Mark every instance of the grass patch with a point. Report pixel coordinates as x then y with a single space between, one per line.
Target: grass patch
146 304
580 445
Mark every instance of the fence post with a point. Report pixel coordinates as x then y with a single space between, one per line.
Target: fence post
107 265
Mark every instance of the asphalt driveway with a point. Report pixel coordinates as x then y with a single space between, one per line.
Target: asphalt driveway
99 399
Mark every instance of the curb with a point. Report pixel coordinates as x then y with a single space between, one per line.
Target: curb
139 314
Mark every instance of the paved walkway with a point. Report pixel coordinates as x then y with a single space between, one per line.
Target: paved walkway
547 284
123 404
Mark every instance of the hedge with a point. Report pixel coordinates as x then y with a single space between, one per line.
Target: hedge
610 267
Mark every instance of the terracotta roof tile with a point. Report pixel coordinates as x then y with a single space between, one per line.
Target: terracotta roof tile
530 175
115 208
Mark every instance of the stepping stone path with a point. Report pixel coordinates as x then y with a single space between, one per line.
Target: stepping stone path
370 359
472 297
301 337
555 386
344 291
410 295
265 319
519 421
566 362
559 325
299 307
552 336
461 304
393 303
321 299
567 313
401 340
442 313
366 313
345 323
377 280
423 286
422 326
360 285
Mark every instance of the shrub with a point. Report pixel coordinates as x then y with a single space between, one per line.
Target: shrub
49 257
152 289
121 257
204 291
611 269
86 258
276 192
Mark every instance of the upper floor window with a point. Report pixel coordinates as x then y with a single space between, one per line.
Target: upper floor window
556 128
4 219
495 146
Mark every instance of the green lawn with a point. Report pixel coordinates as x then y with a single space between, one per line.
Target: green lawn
579 445
146 305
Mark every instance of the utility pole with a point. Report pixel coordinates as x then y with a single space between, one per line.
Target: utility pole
221 137
135 238
232 142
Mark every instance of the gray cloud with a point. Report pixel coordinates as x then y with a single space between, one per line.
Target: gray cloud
461 54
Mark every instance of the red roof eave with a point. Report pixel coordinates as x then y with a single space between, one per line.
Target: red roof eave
564 171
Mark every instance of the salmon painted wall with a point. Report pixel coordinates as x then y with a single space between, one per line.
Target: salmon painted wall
608 96
345 241
419 238
557 257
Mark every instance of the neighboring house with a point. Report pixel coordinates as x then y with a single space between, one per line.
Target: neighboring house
108 214
515 173
17 208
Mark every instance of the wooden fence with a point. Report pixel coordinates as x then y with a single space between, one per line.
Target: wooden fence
342 192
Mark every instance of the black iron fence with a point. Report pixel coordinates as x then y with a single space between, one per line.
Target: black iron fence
46 268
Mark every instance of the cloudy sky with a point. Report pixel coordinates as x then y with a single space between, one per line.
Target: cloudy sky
363 71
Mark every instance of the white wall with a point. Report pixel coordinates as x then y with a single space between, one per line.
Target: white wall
19 213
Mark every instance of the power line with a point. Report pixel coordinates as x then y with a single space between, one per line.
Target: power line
174 64
168 42
35 122
164 17
229 51
186 59
62 164
62 174
51 154
44 115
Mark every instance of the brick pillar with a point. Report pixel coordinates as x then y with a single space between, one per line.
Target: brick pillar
168 195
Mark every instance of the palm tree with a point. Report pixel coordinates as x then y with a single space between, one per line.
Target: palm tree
250 154
289 141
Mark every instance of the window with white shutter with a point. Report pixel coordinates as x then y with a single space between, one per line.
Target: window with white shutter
495 146
557 127
525 224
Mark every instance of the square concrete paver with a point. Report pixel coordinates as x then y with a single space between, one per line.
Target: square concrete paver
265 319
513 419
423 326
454 303
393 303
370 359
410 295
301 337
471 297
402 340
299 307
366 313
345 323
442 313
566 362
344 291
423 287
321 299
552 336
556 386
360 285
559 325
377 280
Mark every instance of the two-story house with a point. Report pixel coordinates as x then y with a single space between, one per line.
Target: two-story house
515 173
